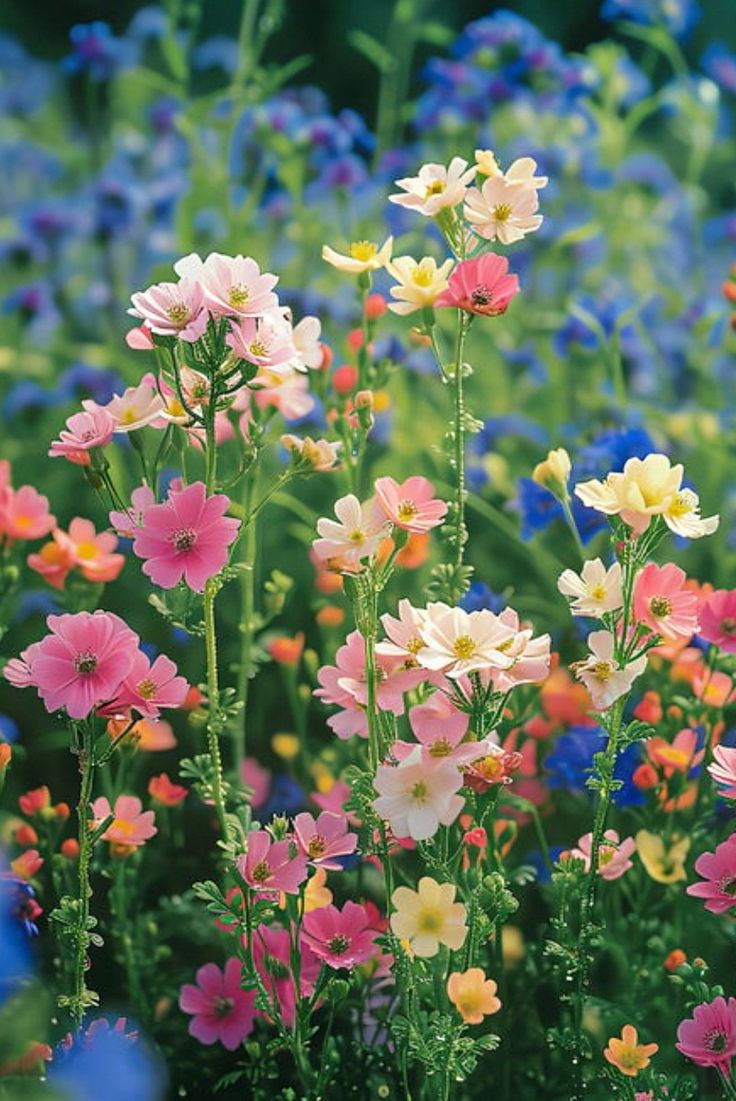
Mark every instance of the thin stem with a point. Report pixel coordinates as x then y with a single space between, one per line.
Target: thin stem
460 532
247 614
214 718
86 771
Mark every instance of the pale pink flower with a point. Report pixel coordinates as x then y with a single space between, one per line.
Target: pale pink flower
662 602
708 1038
307 344
125 523
502 210
613 854
459 642
324 840
404 634
172 309
93 427
601 673
221 1009
233 285
319 455
438 725
723 771
530 656
140 339
595 590
481 286
149 687
131 825
258 779
418 795
272 866
265 342
342 938
410 505
718 619
24 514
186 537
136 407
356 534
285 389
718 870
91 552
435 188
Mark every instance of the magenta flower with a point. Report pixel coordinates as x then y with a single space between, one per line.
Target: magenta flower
325 840
719 877
342 938
221 1009
272 958
186 537
663 604
83 662
172 309
131 825
94 427
149 687
481 286
708 1038
269 865
723 771
410 505
718 619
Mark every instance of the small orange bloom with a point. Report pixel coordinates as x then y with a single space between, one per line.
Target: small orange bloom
473 995
675 959
627 1054
6 754
287 651
330 616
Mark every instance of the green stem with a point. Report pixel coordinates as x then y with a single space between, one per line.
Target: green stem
247 616
214 718
80 998
460 531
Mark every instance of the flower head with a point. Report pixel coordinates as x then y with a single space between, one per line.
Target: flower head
708 1038
24 514
356 534
137 407
410 505
627 1054
220 1008
163 791
149 687
435 188
172 309
457 642
718 870
718 619
233 286
131 826
481 286
601 673
553 472
265 342
663 603
418 795
473 995
664 862
502 210
613 854
594 590
94 427
419 283
428 917
324 840
342 938
362 256
319 455
723 771
272 866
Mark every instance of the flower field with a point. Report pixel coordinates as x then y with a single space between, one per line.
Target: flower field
368 580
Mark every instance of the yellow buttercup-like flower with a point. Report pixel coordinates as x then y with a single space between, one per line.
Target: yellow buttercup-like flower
361 256
420 282
664 863
428 917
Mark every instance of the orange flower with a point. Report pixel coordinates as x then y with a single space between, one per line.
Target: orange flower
287 651
627 1054
675 959
473 995
330 616
6 754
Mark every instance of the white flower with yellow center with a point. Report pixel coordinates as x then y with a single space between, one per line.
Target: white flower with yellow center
361 256
457 642
435 188
601 673
418 795
594 590
420 282
428 917
682 516
500 210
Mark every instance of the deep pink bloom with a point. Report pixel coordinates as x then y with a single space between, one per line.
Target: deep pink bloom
186 537
269 865
410 505
93 427
708 1038
718 619
233 285
149 686
663 604
83 662
221 1009
131 824
272 957
723 771
342 938
613 855
718 870
172 309
481 286
325 840
24 514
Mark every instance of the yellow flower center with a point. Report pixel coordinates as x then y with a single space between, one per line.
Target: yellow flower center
363 250
464 647
603 670
357 535
422 276
660 606
429 920
435 188
178 314
679 506
146 689
440 748
238 295
23 521
317 846
407 510
419 792
87 550
414 645
598 592
261 872
502 212
258 348
122 825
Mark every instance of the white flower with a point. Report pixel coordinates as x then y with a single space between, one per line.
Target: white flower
682 516
521 171
595 589
420 282
503 211
418 795
356 534
435 188
457 642
306 340
602 675
362 256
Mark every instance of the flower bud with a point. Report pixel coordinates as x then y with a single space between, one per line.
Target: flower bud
375 307
345 379
6 755
70 848
554 472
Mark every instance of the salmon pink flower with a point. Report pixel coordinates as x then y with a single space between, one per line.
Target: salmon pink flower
491 765
680 755
342 938
24 514
131 826
85 431
272 866
627 1055
481 286
222 1011
163 791
36 801
723 771
27 864
662 602
601 673
234 286
438 725
708 1038
93 553
186 537
149 687
410 505
502 210
473 995
172 309
613 854
435 188
718 619
718 870
594 590
418 795
53 562
325 840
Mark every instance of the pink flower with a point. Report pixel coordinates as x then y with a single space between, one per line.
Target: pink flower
24 513
149 687
708 1038
723 771
531 656
125 523
418 795
131 825
137 407
481 286
140 339
613 855
233 285
437 724
221 1009
356 534
285 390
186 537
719 877
93 427
342 938
172 309
325 840
663 604
410 505
83 662
258 779
272 957
162 790
718 619
269 865
92 553
680 755
19 671
266 342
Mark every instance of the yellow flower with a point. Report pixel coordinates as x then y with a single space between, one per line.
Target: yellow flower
512 945
362 256
420 282
428 917
317 894
664 864
627 1054
473 995
486 163
554 472
285 746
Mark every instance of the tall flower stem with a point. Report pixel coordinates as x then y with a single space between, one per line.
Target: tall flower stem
247 615
214 717
80 998
460 534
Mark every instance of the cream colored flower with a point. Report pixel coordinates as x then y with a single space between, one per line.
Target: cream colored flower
435 188
594 590
501 210
420 282
554 471
362 256
428 917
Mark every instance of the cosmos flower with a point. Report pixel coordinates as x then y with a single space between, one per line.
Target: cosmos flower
708 1038
418 795
663 603
500 210
718 885
221 1010
601 673
131 826
172 309
419 283
481 286
362 256
410 505
595 590
435 187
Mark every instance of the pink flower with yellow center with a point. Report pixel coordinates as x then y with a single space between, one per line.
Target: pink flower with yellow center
678 756
435 188
718 619
410 505
266 342
662 603
24 514
324 840
723 771
131 825
481 286
233 286
136 407
93 553
172 309
342 938
149 687
85 431
718 870
272 866
613 855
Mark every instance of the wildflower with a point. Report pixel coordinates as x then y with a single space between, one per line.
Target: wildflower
131 826
6 756
530 657
718 870
663 604
85 431
501 210
602 675
404 634
419 283
172 309
410 505
27 864
438 725
665 863
675 959
362 256
187 537
435 188
718 619
269 865
125 523
481 286
316 893
418 795
272 957
137 407
222 1011
266 342
595 590
52 563
627 1054
163 791
428 917
723 771
325 840
82 547
342 938
36 802
613 854
457 642
496 766
309 350
553 472
473 995
318 455
708 1038
24 514
355 535
149 687
680 755
234 286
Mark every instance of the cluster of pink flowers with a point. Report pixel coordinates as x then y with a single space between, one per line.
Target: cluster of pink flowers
80 548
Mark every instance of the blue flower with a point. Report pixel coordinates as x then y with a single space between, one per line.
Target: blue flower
538 507
97 52
286 797
9 730
15 928
104 1062
571 759
678 16
480 596
720 65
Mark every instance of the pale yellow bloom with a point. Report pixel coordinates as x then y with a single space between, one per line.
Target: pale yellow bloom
428 917
317 894
486 163
362 256
420 282
664 863
554 472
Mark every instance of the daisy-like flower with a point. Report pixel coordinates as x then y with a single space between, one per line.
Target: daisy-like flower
149 687
419 283
718 619
319 455
627 1055
272 866
664 862
500 210
186 537
678 756
481 286
662 603
410 505
362 256
172 309
221 1010
418 795
342 938
93 427
404 634
682 516
613 854
136 407
435 188
428 917
595 590
530 657
356 534
324 840
473 995
457 642
708 1038
266 342
24 514
723 771
131 825
718 870
601 673
234 286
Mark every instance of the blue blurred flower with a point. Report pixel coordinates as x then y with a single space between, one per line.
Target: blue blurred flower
15 928
480 596
571 759
678 16
720 64
105 1062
